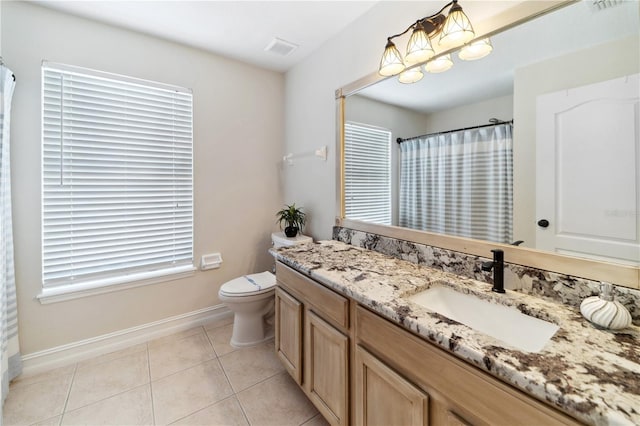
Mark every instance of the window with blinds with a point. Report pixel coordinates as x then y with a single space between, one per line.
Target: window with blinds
117 178
367 183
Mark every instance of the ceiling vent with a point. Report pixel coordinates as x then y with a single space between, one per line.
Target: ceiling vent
280 47
597 5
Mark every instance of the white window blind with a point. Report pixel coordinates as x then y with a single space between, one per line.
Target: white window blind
368 173
117 176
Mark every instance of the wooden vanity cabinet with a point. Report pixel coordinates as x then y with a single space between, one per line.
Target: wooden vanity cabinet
357 367
458 393
312 340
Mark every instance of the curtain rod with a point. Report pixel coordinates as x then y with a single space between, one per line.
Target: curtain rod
492 122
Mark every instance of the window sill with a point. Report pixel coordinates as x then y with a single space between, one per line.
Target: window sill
92 288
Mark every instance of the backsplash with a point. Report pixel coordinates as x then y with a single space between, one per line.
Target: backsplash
566 289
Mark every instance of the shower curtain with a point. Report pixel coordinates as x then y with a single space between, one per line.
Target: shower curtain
9 350
459 183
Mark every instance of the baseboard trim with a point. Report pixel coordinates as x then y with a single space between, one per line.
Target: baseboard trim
60 356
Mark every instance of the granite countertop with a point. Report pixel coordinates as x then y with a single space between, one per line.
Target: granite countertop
591 374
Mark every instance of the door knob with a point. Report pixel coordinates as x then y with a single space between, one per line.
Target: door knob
543 223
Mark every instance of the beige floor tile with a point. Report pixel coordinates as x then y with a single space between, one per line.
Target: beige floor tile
36 378
226 412
220 338
188 391
179 354
248 366
96 382
54 421
114 355
128 408
276 401
174 337
36 402
317 421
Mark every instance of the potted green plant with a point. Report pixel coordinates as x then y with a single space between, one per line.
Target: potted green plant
293 217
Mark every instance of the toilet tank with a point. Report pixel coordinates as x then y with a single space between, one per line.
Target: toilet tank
281 240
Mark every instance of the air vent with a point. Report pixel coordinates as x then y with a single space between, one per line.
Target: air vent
597 5
280 47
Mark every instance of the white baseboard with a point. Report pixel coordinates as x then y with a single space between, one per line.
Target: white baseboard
60 356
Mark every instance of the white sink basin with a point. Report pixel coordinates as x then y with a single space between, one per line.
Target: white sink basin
504 323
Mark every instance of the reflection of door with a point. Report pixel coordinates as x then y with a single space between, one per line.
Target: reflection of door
588 171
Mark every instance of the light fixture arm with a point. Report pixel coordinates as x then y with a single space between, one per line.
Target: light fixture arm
421 20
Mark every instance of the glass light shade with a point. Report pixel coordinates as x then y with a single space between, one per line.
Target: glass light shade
457 29
476 50
440 64
391 62
419 48
410 76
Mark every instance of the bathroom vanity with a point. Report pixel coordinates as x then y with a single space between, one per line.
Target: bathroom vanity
364 352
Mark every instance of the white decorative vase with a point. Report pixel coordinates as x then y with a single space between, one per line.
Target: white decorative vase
605 312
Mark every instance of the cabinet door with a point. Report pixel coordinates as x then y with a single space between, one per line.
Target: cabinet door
289 333
326 373
385 398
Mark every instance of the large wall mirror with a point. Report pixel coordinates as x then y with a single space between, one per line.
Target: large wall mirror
566 83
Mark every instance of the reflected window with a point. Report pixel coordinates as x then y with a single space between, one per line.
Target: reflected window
368 173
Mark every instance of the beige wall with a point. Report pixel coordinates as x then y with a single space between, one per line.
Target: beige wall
471 114
238 134
599 63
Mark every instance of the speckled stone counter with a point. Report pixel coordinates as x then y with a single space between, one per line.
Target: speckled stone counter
591 374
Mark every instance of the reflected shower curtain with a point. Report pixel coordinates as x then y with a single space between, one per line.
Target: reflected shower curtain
9 349
459 183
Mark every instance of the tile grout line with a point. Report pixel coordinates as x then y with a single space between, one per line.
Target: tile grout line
66 400
204 408
153 408
235 394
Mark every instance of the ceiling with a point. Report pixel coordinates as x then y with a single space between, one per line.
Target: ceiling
242 29
237 29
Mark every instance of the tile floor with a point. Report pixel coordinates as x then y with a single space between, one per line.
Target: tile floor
190 378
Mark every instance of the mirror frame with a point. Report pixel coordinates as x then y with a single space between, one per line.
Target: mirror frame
618 274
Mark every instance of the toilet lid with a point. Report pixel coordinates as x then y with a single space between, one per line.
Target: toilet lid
249 284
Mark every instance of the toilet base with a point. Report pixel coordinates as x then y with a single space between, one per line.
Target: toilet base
250 331
268 335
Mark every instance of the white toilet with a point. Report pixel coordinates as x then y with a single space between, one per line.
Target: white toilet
251 298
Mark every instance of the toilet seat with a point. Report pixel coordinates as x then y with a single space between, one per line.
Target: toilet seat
249 285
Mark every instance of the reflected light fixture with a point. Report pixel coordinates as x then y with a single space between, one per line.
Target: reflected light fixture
411 75
476 49
440 64
451 31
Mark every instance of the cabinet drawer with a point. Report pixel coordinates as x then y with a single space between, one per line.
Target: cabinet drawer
329 304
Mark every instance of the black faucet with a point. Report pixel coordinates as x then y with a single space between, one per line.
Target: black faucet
498 270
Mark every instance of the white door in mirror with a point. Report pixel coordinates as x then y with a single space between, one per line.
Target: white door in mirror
588 160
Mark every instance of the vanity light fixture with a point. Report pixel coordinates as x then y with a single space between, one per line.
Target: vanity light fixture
457 29
451 31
